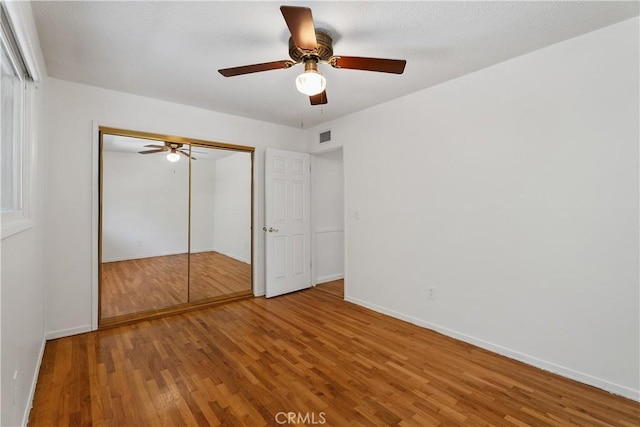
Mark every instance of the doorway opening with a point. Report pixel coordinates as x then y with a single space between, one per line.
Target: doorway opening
327 181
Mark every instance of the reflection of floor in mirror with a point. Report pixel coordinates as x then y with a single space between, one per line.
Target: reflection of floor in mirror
158 282
335 287
213 274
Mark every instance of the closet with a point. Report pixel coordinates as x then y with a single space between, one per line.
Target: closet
175 229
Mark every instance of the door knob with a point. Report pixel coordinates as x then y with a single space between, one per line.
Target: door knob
270 229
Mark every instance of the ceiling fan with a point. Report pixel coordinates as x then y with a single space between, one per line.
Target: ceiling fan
174 149
311 47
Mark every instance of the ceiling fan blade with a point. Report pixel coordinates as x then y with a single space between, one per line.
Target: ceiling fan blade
156 146
395 66
186 154
318 99
300 23
151 151
256 68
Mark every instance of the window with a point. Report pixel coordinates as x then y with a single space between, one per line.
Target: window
13 87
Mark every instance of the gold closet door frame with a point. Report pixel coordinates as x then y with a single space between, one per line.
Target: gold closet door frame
179 308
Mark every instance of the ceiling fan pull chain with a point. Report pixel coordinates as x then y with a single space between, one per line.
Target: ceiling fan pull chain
302 100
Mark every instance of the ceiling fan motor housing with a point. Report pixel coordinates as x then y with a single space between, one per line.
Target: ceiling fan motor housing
322 52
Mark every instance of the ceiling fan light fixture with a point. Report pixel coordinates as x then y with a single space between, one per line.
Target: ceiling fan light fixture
311 82
311 46
173 157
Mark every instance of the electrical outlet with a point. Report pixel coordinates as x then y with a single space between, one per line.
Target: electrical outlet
431 292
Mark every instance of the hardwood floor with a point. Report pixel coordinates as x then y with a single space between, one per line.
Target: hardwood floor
308 353
213 274
144 284
335 287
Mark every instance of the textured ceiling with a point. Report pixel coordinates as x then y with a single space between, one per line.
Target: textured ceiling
172 50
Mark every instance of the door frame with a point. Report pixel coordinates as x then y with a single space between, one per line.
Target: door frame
314 232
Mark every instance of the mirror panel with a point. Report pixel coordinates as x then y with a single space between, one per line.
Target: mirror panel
144 224
221 205
175 224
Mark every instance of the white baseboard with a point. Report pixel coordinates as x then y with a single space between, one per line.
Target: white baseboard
329 278
142 256
197 251
582 377
237 258
34 380
67 332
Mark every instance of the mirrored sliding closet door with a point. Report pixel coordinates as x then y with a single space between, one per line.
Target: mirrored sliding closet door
220 254
175 224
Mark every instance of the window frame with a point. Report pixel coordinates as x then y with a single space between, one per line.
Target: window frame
17 220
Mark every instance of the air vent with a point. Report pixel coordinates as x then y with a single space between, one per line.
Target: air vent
325 136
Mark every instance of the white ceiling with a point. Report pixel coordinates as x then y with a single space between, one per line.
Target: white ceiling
172 50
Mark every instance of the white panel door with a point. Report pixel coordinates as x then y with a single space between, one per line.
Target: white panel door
287 222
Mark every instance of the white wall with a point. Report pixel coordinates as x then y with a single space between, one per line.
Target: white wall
71 181
146 206
145 209
514 192
203 202
22 260
327 181
232 206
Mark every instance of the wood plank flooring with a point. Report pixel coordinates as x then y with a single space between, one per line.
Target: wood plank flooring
335 287
308 353
143 284
153 283
213 274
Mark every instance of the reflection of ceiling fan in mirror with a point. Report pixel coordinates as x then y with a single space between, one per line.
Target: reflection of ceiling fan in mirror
174 149
311 47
